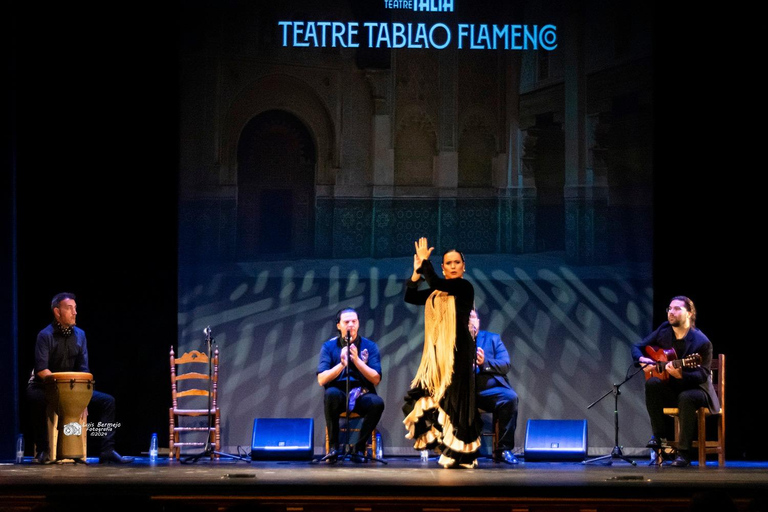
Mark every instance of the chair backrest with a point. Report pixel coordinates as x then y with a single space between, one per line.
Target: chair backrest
718 379
199 374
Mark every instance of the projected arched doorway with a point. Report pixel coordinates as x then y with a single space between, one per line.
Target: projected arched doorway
276 160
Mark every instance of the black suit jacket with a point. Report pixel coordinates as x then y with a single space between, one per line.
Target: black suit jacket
695 343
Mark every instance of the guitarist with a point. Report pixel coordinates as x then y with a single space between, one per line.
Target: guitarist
687 388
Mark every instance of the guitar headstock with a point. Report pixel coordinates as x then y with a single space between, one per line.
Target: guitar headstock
692 361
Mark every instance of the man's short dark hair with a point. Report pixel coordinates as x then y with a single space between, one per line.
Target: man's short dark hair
60 297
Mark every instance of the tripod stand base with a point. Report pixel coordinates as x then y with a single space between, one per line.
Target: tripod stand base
614 455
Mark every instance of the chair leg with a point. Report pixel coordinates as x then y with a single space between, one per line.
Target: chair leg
677 428
170 434
721 441
217 443
702 437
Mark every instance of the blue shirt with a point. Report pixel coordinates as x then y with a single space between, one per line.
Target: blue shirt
330 356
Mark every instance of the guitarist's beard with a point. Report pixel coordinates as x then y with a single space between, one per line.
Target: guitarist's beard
675 322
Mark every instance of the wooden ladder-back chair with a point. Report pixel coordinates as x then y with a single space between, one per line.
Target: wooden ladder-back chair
196 382
701 444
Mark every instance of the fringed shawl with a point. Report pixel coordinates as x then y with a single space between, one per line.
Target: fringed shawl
436 368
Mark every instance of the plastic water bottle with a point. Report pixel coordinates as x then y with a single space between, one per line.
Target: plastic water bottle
153 449
379 448
424 455
20 449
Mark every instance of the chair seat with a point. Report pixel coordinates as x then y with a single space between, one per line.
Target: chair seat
674 411
193 412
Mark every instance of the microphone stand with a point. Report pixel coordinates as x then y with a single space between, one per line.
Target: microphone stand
347 446
208 450
616 453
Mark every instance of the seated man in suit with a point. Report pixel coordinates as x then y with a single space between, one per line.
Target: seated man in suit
493 390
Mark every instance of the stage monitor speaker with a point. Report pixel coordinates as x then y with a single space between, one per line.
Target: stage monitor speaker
556 440
283 439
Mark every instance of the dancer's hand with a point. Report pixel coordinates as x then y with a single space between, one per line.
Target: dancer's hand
422 251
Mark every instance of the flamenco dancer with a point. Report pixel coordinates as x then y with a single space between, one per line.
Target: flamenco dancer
440 410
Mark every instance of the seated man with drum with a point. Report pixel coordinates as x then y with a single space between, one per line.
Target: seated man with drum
62 347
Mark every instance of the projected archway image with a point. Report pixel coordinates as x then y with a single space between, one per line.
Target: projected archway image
275 188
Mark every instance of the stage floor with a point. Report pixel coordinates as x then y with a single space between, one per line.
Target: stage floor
401 484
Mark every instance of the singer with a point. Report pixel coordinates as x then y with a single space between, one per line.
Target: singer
362 366
440 408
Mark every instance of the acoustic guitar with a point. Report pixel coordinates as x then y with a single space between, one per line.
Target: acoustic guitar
662 356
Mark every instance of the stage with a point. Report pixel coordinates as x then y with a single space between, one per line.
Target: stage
401 484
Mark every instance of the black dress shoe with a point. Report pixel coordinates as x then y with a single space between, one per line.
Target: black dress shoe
114 458
654 443
681 460
332 457
505 456
358 457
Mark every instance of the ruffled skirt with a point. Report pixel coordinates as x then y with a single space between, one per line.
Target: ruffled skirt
431 428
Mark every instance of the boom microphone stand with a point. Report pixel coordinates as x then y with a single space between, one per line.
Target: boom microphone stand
208 449
616 453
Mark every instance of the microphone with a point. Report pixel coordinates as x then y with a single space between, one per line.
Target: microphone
348 336
208 339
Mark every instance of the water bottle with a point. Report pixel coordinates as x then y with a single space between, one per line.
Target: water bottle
379 447
20 449
424 455
153 449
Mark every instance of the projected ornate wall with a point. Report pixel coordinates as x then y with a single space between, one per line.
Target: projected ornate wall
306 173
